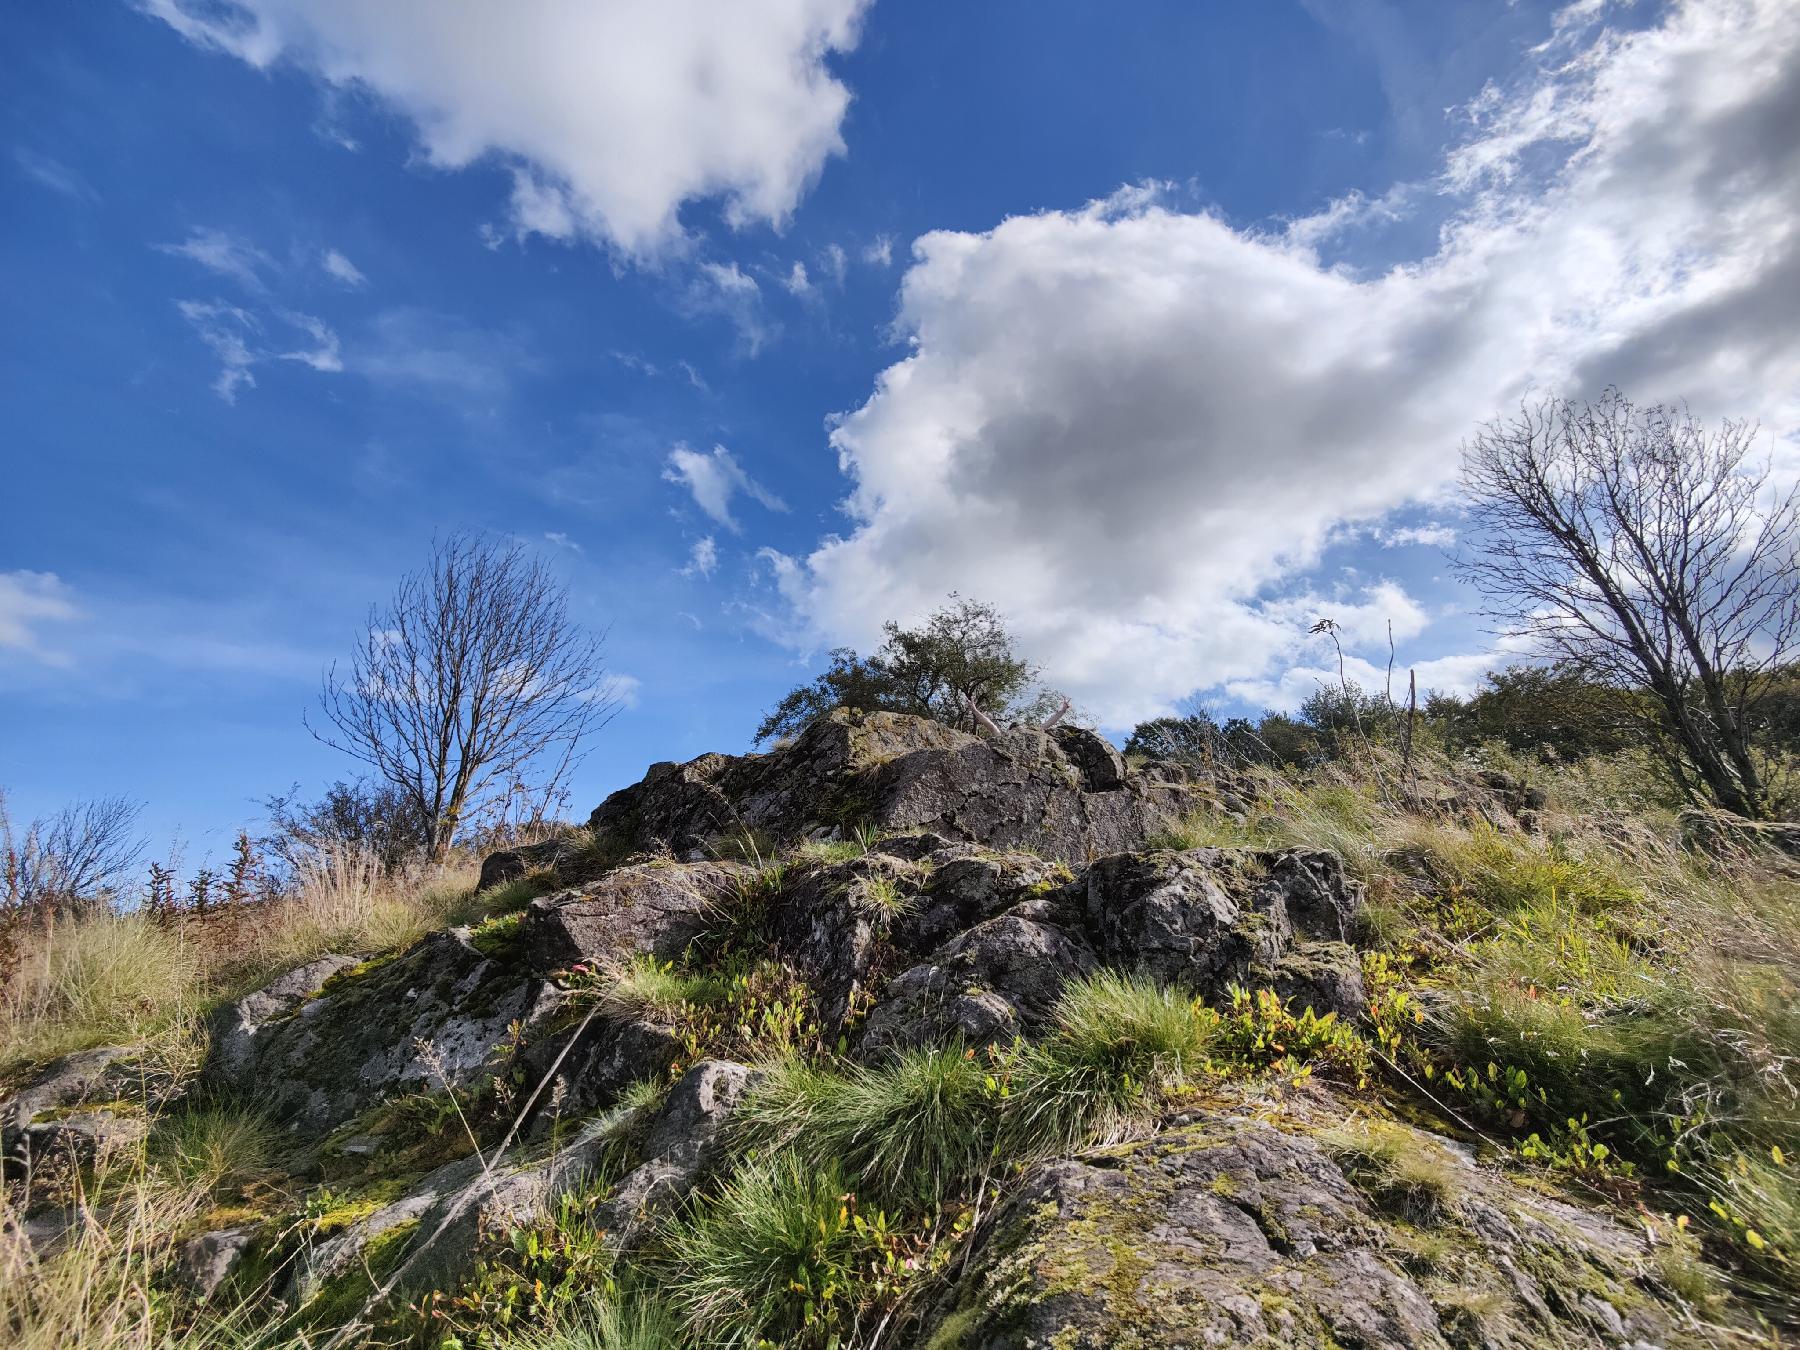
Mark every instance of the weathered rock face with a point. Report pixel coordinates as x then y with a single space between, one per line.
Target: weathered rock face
78 1107
429 1235
1065 795
1237 1233
652 909
323 1050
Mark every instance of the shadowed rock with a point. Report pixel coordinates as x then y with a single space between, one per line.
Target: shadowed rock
1064 794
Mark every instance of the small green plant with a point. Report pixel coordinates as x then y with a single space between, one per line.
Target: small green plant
1259 1032
220 1149
645 988
1402 1171
526 1283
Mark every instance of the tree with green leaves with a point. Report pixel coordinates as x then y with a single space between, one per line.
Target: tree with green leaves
955 667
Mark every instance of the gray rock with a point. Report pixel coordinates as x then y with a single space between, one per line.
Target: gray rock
1065 794
1187 918
436 1016
1237 1233
80 1106
234 1027
1324 976
205 1262
998 980
681 1150
509 864
651 909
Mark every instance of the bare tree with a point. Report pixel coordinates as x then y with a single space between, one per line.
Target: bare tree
79 857
1643 549
474 676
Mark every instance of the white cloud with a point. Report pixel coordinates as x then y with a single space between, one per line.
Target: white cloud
703 558
714 480
725 288
834 262
879 253
623 689
227 254
442 355
611 114
236 337
229 331
1129 427
562 540
29 600
1433 535
796 282
337 265
324 353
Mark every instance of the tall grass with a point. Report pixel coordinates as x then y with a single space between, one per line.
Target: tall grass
773 1256
128 978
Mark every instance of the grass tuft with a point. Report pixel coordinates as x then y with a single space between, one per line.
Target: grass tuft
1119 1041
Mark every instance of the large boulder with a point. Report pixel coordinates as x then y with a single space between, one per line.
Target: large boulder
232 1046
432 1018
1239 1233
653 909
1064 794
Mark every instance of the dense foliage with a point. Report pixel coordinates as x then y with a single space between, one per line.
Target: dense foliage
961 655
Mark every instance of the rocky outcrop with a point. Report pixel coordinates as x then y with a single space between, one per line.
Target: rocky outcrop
1064 794
954 888
431 1018
653 909
1239 1233
428 1236
79 1107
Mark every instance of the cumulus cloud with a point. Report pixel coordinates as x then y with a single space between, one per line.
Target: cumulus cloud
797 282
611 114
28 601
1135 428
715 480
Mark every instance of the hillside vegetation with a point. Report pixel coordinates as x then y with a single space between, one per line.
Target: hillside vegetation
902 1036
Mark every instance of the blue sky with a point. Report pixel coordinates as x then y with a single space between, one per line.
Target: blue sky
1156 325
